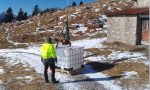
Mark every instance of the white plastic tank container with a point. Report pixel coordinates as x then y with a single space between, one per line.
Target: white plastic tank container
69 57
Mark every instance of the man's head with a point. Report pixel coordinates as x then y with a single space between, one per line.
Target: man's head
49 40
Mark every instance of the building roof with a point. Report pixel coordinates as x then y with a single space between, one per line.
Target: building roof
130 11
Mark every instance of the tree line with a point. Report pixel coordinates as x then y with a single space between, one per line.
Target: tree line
22 15
74 3
9 15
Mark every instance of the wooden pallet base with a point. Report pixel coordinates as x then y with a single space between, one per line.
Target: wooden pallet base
73 72
70 71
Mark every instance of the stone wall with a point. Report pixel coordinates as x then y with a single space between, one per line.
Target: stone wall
122 29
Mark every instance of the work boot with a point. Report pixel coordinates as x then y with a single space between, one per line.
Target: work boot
54 81
46 81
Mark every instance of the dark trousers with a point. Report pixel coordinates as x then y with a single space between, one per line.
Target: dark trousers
49 63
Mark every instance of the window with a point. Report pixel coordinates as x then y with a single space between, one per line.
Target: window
134 0
145 25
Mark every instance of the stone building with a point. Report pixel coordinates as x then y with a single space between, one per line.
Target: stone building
130 26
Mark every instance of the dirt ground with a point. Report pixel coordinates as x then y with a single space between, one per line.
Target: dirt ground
12 78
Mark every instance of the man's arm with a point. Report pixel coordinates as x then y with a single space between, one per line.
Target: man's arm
54 53
42 60
57 41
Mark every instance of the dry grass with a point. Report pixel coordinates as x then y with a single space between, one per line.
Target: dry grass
124 47
97 51
12 83
4 44
99 35
133 84
31 86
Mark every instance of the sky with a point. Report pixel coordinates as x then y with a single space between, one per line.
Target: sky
27 5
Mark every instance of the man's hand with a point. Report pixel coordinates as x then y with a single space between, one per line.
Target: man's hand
42 60
55 60
56 40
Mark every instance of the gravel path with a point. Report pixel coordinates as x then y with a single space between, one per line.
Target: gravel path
78 82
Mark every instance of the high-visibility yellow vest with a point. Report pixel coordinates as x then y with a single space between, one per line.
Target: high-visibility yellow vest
48 51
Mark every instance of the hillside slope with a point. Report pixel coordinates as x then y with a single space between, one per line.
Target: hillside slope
35 28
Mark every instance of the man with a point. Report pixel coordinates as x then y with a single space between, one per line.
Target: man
48 56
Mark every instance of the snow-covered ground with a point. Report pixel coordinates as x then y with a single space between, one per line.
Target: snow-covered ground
118 55
88 80
90 43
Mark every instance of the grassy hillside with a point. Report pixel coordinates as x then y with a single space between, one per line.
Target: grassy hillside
34 29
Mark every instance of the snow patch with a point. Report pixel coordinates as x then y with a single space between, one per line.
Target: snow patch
109 9
104 5
147 87
27 78
72 16
118 55
97 58
83 29
61 17
1 71
115 55
130 74
119 9
1 82
80 27
96 10
28 57
27 69
90 43
147 62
